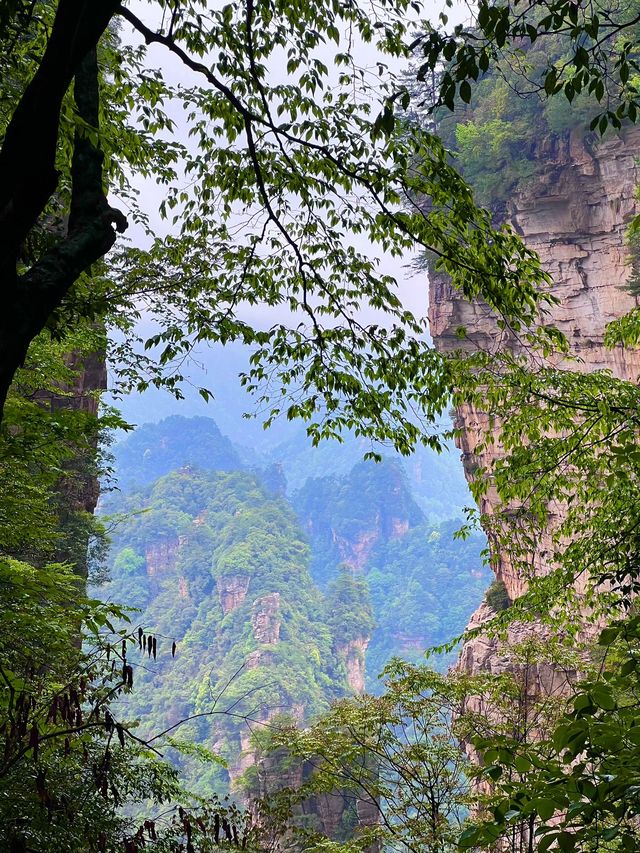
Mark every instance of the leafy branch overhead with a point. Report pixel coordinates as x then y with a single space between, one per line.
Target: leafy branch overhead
600 56
267 176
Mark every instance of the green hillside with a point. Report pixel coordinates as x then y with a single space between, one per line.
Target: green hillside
276 606
155 449
423 582
219 566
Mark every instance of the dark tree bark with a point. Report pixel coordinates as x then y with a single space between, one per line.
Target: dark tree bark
28 179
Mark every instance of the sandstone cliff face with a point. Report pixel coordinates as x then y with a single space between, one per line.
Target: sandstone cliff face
232 591
353 654
266 619
161 557
79 488
574 216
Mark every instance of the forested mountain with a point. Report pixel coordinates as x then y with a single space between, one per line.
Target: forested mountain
221 568
423 582
284 444
155 449
269 599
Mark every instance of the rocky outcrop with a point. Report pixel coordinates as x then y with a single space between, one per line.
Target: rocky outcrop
575 217
411 643
356 551
324 812
266 619
161 557
232 591
353 654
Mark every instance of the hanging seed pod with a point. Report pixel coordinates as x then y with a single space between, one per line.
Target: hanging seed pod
108 721
140 636
52 716
155 645
120 732
216 829
34 740
173 649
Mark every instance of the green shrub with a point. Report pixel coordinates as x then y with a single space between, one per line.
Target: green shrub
497 597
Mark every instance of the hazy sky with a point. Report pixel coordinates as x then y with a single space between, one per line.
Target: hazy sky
412 285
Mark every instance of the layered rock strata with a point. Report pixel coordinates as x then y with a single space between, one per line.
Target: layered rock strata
575 216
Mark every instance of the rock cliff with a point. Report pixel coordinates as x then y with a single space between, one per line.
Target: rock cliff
353 654
574 216
79 489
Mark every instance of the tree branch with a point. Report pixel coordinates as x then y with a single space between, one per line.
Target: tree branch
28 177
41 290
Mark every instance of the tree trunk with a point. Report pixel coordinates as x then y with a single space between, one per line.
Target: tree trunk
28 180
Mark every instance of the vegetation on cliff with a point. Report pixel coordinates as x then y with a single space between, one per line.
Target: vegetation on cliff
221 568
217 560
492 95
424 582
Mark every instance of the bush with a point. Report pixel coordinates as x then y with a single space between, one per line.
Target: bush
497 597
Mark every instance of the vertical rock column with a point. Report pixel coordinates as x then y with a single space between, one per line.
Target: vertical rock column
575 217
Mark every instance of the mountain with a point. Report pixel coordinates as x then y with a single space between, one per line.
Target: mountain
216 367
279 599
437 480
155 449
346 517
423 582
220 567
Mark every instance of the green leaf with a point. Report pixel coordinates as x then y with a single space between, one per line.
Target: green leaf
545 807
